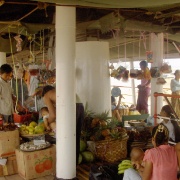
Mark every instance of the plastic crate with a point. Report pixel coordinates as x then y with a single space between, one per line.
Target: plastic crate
21 118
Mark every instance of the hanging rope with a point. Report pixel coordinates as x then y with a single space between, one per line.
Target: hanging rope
125 51
133 46
167 44
139 46
11 49
43 45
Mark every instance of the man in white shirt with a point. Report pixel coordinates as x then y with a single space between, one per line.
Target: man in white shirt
6 101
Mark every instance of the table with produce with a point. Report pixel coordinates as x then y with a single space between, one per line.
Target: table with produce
26 148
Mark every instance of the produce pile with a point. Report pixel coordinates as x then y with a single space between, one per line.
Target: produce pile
32 128
8 127
98 127
141 139
85 155
135 135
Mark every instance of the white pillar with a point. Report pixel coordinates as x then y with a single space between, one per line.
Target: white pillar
156 45
92 75
65 93
2 58
134 100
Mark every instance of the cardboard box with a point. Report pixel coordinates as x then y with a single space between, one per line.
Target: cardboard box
9 141
37 163
10 167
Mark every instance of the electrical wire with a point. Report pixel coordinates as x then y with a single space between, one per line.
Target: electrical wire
10 41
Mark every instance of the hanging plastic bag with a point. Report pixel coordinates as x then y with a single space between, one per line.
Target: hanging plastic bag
19 71
33 70
149 55
165 68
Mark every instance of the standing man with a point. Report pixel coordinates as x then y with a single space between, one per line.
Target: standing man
6 97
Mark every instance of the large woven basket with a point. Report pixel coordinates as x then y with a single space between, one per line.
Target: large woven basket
111 150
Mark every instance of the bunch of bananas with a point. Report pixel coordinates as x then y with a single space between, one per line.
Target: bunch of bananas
125 164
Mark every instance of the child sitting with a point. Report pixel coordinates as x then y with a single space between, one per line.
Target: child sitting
45 114
137 155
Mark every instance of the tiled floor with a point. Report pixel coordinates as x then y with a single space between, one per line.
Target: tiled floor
17 177
82 174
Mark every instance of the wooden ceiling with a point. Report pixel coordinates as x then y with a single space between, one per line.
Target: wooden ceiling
123 24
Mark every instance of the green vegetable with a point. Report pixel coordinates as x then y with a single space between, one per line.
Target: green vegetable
80 159
83 145
87 156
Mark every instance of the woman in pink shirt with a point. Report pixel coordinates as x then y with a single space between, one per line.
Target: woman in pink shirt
160 162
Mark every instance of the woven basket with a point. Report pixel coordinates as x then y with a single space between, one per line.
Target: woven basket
111 150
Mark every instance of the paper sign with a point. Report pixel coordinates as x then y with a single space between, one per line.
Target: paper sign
39 142
3 162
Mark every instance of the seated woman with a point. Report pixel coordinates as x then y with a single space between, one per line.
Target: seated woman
160 162
172 125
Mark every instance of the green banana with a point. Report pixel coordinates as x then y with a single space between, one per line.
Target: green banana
121 171
126 161
124 164
124 167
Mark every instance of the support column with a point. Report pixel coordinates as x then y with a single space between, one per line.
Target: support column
156 45
2 58
65 93
92 75
134 100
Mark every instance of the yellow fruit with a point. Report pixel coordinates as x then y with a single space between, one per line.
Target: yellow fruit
22 128
24 132
33 123
31 133
30 129
39 129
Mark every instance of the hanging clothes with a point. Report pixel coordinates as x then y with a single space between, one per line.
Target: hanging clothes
33 85
26 78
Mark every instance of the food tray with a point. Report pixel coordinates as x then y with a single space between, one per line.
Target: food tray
29 146
32 135
136 123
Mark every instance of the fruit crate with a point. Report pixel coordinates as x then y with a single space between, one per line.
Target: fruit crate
21 118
